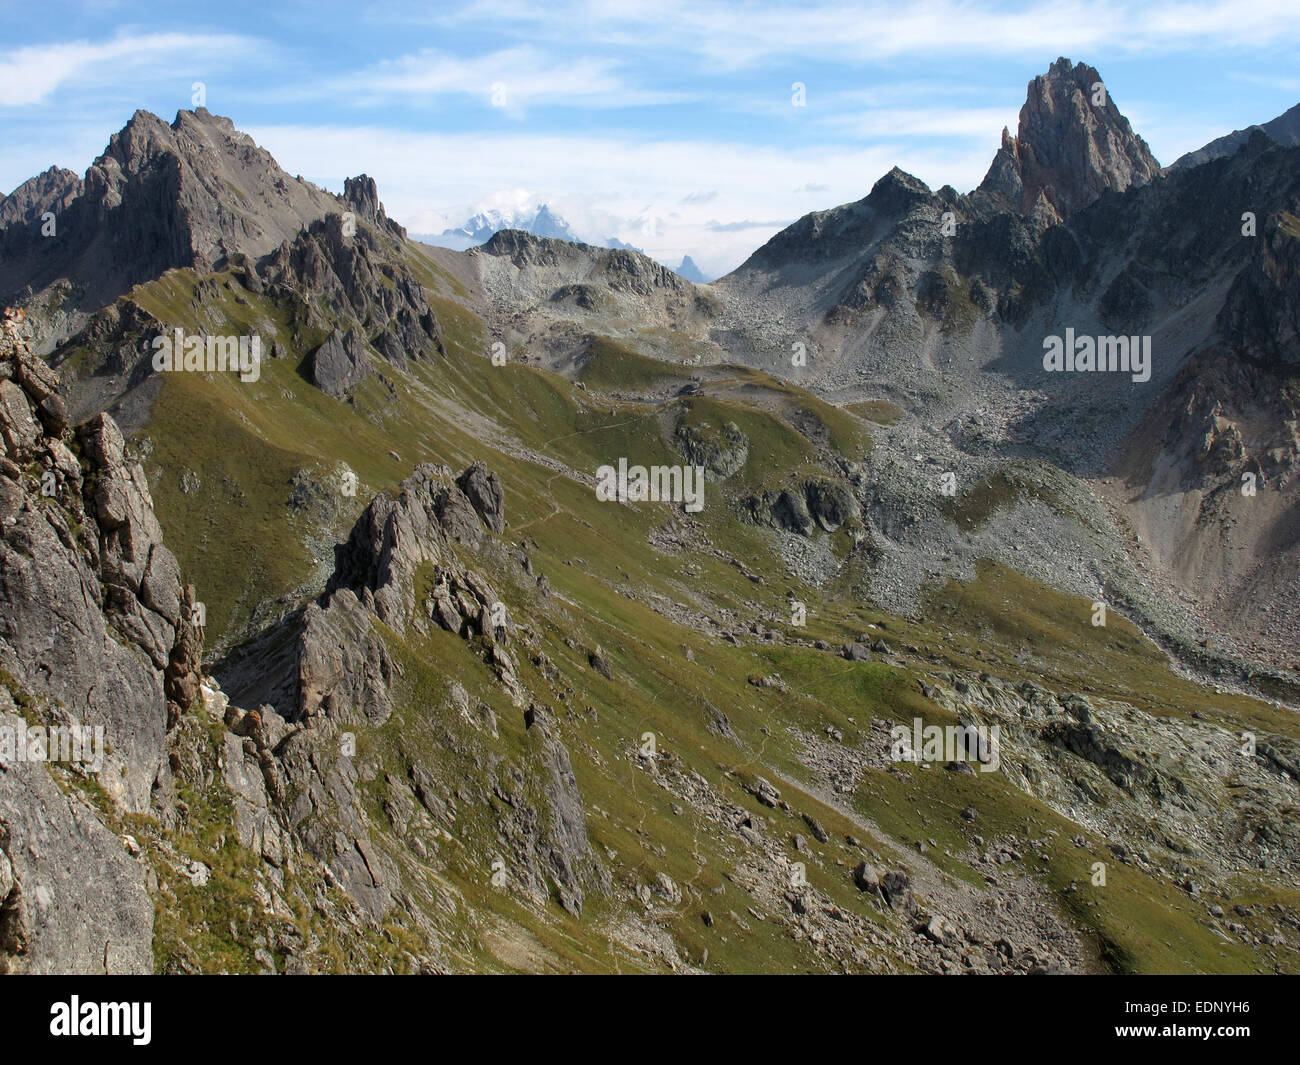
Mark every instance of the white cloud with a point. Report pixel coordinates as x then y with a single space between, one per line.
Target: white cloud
733 34
512 79
978 122
29 75
599 182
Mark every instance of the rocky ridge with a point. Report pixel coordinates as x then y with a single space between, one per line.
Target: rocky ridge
1072 145
98 631
365 746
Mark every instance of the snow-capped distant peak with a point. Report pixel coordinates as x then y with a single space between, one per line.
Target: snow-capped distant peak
541 221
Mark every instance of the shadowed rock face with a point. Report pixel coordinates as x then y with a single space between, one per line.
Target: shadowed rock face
362 195
482 487
398 533
1072 145
805 507
353 273
95 614
1284 130
339 364
52 190
1261 315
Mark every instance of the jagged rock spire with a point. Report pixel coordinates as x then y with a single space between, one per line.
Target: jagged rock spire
1072 145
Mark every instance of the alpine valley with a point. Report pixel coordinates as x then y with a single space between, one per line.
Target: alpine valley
387 685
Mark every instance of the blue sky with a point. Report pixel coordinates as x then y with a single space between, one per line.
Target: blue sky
671 125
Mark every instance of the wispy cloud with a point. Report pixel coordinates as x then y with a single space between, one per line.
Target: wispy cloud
978 122
31 74
511 79
738 227
611 186
739 34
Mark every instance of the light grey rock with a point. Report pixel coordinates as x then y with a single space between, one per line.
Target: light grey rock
340 363
482 487
71 899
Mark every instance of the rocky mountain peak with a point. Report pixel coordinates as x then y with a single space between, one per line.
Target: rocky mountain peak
845 230
210 174
362 193
189 194
1284 130
690 270
516 242
897 191
50 190
1072 145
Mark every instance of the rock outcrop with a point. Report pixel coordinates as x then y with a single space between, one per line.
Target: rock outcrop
50 191
1072 145
806 507
346 272
362 195
721 452
482 487
72 900
327 668
97 632
340 364
190 193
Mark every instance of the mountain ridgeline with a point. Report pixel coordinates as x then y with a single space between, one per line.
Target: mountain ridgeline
377 679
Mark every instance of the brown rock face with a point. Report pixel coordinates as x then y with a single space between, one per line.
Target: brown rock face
1072 145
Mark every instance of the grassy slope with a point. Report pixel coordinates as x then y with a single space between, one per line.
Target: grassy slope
245 441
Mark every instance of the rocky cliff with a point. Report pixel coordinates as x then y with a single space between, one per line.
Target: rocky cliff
96 630
186 194
1072 145
485 720
328 668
